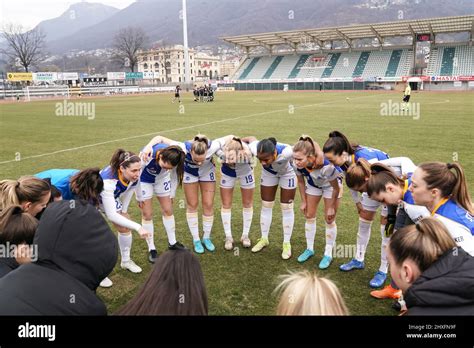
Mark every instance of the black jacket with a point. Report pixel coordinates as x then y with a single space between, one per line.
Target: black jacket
7 264
76 250
445 288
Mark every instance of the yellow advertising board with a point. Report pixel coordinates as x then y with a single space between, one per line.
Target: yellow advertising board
13 76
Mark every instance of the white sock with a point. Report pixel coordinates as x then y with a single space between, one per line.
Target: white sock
363 236
226 215
207 222
193 224
310 233
170 227
125 244
383 253
266 218
331 234
148 225
288 220
247 220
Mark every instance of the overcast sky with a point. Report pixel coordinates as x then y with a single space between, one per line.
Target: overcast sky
30 12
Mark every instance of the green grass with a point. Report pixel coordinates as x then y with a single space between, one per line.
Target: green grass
242 284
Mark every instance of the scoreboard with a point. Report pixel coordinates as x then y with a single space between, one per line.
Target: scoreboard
423 37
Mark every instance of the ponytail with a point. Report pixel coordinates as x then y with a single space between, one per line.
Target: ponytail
235 144
8 195
381 175
338 143
267 146
25 189
460 192
122 158
306 145
200 144
423 243
16 226
452 184
357 173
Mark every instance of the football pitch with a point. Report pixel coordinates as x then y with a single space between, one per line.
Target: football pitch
41 135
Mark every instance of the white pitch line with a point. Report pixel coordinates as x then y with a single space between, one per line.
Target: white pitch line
172 130
440 102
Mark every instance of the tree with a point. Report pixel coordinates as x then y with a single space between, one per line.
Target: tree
23 46
127 42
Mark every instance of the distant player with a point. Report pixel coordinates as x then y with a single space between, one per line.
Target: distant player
406 97
196 93
177 92
201 93
211 93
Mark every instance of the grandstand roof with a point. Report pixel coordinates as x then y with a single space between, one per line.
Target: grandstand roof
431 26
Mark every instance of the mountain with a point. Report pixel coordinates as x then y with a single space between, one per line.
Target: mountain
78 16
210 19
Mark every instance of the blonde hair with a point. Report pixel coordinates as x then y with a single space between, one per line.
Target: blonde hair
304 293
234 144
423 243
200 144
236 147
25 189
306 145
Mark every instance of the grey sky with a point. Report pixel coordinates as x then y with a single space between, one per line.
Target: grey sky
30 12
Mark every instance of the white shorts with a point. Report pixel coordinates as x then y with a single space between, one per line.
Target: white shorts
161 187
371 205
206 175
286 181
325 191
246 181
174 183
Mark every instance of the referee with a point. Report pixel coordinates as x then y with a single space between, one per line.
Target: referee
406 97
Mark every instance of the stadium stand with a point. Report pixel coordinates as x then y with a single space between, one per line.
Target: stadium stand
351 62
366 64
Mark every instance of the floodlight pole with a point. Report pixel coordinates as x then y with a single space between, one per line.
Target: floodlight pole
187 67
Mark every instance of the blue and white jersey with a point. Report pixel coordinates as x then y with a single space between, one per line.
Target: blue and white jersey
402 166
321 177
370 154
190 167
456 219
239 170
243 166
60 178
152 169
115 183
116 197
407 196
453 211
282 164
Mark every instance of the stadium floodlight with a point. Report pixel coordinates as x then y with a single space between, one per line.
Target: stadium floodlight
185 44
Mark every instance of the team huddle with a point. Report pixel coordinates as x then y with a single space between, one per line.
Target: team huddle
403 193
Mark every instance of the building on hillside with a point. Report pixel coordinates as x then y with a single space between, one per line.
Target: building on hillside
168 64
